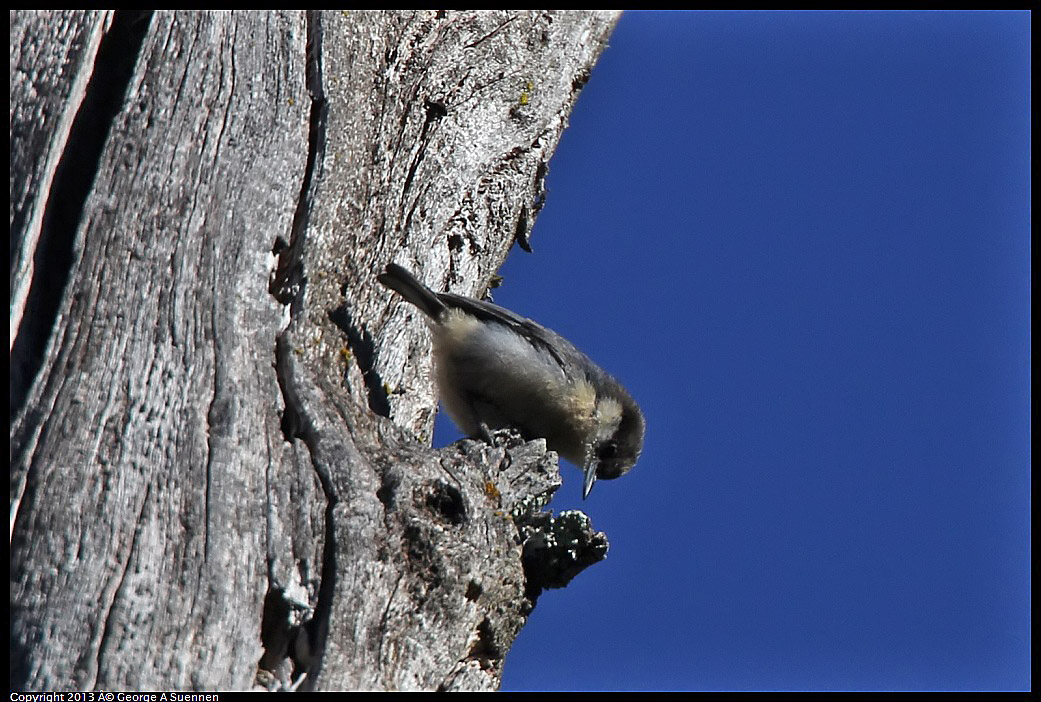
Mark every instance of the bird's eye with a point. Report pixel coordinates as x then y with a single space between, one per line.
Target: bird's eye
608 449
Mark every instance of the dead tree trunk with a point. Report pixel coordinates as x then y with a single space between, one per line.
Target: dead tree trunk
220 472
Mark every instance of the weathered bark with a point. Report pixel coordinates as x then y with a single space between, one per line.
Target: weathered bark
220 473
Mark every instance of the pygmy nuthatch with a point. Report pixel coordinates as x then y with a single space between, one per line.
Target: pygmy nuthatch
496 369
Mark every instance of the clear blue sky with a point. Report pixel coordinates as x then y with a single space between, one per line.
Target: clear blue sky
802 241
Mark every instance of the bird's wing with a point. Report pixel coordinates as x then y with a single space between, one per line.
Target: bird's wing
535 333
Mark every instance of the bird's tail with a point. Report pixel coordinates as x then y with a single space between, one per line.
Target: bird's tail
405 284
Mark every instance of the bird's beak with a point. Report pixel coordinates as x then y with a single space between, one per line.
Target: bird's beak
590 470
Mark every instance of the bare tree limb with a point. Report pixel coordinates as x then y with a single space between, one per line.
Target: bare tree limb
220 469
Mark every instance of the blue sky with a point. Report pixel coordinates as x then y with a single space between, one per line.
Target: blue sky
802 241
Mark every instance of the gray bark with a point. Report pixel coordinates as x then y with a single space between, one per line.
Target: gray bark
48 79
220 466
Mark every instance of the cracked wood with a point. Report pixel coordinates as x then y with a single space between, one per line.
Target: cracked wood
218 473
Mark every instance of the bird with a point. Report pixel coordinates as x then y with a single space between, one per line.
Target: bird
495 369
